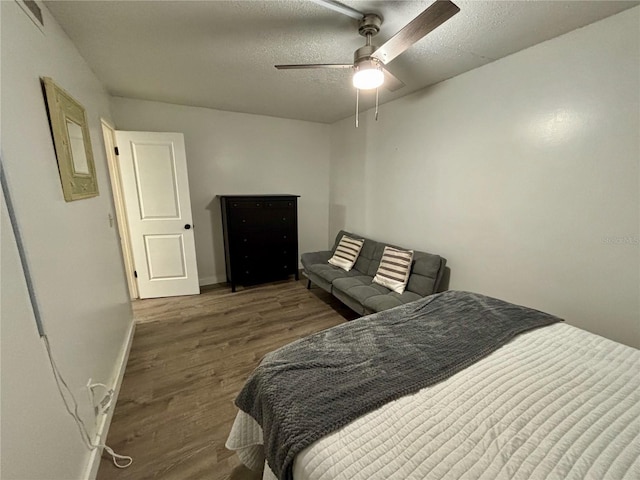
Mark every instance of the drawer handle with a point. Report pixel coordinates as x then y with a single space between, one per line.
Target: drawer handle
284 219
244 221
284 236
244 240
257 204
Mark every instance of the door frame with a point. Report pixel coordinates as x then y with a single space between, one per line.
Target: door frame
108 132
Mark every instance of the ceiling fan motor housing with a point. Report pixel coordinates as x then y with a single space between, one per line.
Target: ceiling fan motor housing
370 24
363 53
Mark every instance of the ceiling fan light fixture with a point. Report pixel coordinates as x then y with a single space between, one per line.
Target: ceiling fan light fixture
368 75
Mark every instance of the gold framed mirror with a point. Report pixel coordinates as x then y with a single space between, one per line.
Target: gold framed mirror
68 121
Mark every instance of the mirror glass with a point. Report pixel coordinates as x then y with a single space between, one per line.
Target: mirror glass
76 144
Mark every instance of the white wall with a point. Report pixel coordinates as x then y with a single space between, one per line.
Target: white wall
238 153
523 174
74 256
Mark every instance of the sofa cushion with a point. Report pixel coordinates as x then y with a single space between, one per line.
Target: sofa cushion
318 280
376 256
331 273
378 303
425 274
364 259
359 288
346 252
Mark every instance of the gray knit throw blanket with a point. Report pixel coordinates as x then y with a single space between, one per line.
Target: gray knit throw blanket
316 385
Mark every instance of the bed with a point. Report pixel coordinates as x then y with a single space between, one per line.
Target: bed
546 401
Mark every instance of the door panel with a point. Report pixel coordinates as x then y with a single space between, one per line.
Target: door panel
165 255
155 169
156 193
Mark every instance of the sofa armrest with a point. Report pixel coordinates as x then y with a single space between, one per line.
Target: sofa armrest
313 258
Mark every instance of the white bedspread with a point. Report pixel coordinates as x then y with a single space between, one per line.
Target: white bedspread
555 403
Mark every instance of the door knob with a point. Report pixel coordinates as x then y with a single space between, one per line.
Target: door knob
187 226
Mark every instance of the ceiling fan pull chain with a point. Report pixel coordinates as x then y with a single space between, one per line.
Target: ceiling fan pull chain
377 89
357 102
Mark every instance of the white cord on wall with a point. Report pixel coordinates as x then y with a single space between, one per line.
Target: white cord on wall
105 404
71 401
60 381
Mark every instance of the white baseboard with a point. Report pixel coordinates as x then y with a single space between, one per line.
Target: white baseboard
202 281
210 281
91 471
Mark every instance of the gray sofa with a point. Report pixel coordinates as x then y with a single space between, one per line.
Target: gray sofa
355 289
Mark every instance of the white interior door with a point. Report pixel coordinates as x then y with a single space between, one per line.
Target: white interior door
155 187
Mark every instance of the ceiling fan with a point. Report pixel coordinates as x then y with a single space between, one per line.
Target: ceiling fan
369 61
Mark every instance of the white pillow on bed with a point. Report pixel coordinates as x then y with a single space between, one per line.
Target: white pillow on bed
394 269
346 253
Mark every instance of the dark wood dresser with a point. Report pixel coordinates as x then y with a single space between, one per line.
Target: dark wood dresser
260 237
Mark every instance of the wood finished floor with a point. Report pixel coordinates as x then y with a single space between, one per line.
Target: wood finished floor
190 357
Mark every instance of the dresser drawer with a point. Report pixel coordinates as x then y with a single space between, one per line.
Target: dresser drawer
279 219
252 240
263 271
267 257
285 264
247 220
278 215
236 205
253 220
280 204
244 273
263 239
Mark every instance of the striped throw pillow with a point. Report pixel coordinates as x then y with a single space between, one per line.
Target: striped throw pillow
346 253
394 269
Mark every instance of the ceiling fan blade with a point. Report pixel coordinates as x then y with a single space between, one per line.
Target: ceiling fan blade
391 82
314 65
434 16
340 8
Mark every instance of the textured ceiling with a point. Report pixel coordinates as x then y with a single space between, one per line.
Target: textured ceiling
221 54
